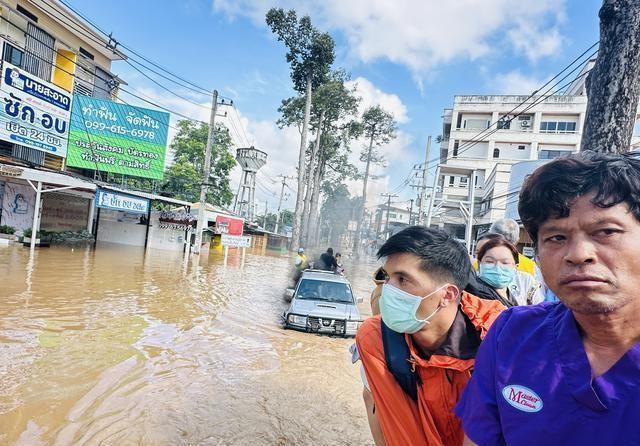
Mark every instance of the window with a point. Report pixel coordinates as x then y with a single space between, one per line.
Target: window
551 154
393 215
13 55
504 123
476 124
557 127
456 145
27 14
39 52
86 53
464 181
522 147
496 153
452 181
459 123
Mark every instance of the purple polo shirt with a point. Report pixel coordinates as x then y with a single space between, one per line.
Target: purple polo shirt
532 385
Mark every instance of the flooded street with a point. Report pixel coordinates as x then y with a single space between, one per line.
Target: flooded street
114 347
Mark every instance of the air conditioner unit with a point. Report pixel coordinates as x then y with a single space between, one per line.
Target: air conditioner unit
525 124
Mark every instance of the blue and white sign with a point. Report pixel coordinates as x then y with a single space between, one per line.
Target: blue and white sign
33 113
107 199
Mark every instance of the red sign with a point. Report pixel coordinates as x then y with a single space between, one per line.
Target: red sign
229 225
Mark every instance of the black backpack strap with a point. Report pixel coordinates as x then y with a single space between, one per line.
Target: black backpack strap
397 356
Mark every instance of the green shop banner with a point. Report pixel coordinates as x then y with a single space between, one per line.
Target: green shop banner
112 137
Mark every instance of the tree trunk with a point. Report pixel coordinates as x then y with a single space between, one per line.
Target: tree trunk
314 162
315 199
295 233
613 85
360 216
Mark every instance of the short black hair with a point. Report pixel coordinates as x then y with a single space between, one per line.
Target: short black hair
442 256
550 191
330 251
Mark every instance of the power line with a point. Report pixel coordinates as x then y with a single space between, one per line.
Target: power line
538 99
89 36
24 49
165 88
193 85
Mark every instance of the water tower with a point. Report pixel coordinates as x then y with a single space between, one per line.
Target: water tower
250 160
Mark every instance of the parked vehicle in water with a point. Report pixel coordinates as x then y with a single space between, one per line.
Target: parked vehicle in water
323 302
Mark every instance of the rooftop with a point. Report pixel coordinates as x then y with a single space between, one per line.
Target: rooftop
325 276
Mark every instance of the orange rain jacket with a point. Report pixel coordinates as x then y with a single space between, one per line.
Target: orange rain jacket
431 420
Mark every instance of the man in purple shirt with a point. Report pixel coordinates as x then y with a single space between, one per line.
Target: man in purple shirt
568 372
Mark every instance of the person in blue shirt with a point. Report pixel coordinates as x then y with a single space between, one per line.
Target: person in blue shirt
568 372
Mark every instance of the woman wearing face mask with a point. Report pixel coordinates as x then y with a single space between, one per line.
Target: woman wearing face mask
498 260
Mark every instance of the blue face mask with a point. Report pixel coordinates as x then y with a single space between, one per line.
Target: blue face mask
398 309
497 276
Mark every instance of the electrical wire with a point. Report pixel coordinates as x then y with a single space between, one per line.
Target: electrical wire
193 86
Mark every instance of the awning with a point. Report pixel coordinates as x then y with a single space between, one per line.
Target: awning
146 195
46 177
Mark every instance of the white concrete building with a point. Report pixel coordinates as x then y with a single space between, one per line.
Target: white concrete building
488 134
397 217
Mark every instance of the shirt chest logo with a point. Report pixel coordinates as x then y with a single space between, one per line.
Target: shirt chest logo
522 398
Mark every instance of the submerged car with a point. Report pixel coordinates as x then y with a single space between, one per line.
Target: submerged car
323 302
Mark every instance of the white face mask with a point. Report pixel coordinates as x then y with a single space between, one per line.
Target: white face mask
398 309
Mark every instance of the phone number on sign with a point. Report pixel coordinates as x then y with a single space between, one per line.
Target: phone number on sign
136 133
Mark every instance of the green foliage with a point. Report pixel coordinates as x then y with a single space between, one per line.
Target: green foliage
183 178
310 53
337 209
339 105
286 219
378 127
5 229
27 233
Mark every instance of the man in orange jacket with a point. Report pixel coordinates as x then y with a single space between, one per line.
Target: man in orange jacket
426 271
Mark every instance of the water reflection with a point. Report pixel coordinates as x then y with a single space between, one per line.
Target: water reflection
111 346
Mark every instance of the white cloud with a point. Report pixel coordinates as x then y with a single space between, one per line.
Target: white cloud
370 95
535 42
514 82
282 145
394 151
422 34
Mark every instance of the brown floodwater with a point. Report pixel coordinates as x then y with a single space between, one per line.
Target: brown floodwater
114 347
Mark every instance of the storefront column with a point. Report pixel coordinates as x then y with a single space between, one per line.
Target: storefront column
146 234
92 209
36 216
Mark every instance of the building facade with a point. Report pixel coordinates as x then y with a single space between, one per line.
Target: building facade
50 42
390 219
483 137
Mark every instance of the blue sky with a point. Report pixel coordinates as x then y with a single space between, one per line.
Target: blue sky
411 56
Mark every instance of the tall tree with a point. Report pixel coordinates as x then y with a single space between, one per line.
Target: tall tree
378 128
613 85
334 170
333 113
183 178
337 106
337 210
310 54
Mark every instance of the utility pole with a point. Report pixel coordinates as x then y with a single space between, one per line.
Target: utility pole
266 206
389 196
284 184
423 187
202 211
410 211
